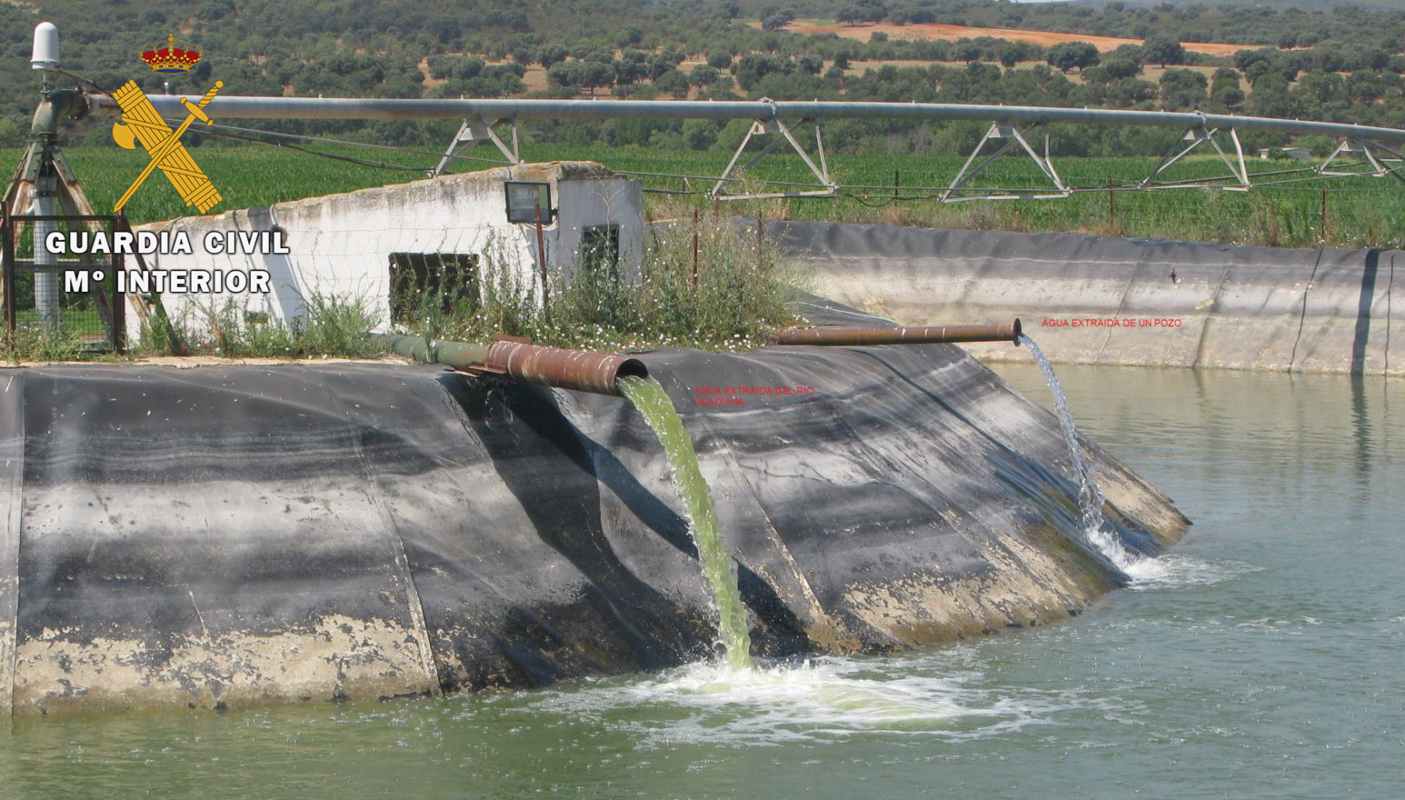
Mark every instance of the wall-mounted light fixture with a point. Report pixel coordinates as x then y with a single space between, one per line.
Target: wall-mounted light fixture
524 198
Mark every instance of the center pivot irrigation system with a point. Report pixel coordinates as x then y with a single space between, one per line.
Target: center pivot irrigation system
780 120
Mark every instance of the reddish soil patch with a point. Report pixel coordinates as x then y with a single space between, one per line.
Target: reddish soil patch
951 33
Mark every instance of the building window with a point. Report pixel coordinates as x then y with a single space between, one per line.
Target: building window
600 250
423 284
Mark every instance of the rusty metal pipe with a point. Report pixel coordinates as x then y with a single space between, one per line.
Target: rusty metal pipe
581 370
844 335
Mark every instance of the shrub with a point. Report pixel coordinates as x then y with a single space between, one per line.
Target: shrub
41 343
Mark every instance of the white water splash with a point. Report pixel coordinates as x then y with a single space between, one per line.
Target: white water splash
820 700
1177 571
1090 497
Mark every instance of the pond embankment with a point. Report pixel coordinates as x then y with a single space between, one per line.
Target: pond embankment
1129 302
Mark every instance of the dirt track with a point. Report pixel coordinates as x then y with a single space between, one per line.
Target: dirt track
953 32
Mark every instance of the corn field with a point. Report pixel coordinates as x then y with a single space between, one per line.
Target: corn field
899 188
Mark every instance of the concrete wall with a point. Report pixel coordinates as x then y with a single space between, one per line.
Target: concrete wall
340 244
1157 303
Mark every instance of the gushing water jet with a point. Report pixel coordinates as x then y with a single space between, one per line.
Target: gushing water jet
1090 496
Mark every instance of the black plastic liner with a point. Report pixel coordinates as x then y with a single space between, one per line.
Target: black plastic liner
242 534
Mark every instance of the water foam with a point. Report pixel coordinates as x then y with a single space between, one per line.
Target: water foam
818 700
1177 571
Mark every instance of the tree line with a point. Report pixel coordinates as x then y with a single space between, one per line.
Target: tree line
714 49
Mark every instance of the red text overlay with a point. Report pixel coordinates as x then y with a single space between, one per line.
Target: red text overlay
1111 322
738 395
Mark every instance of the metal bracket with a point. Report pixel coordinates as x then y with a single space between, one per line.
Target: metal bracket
1348 147
1009 136
770 126
1198 136
472 133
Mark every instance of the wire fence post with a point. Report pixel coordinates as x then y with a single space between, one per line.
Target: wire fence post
696 215
118 313
1325 234
7 254
760 235
1111 207
895 184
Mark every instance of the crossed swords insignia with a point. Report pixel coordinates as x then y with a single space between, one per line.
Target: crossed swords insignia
141 123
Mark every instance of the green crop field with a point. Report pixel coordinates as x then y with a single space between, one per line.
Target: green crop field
1286 210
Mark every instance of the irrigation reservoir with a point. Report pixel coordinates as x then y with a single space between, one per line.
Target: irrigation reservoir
879 568
1260 659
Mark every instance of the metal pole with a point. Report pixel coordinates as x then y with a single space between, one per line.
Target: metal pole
46 282
229 107
7 255
119 305
541 261
760 235
848 336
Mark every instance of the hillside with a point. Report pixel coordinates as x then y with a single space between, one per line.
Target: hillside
1293 63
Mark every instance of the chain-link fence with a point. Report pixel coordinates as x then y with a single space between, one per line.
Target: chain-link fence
71 300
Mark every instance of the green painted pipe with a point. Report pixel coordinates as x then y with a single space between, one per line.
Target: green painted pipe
459 355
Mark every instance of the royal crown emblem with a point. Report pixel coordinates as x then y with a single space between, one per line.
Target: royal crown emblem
171 58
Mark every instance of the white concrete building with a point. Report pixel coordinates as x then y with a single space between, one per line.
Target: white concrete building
446 230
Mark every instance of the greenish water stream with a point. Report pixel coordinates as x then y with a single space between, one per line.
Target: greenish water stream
654 404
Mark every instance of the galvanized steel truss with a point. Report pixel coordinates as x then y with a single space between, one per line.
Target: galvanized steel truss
1008 136
476 132
1198 136
769 127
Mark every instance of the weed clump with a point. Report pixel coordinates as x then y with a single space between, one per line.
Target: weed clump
332 325
730 297
38 342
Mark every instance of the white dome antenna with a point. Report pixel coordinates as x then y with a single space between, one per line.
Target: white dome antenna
46 47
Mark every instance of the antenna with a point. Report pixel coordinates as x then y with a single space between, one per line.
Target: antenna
43 184
46 48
